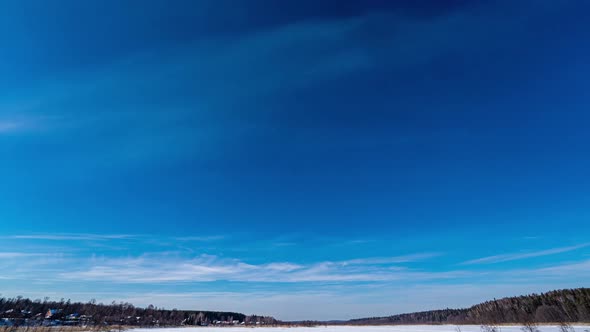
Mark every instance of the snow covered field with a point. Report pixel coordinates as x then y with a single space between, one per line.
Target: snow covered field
398 328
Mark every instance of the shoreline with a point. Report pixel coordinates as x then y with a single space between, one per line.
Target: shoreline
514 325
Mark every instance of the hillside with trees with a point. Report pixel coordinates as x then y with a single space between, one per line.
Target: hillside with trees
560 306
21 311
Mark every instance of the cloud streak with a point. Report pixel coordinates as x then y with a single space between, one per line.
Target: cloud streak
15 255
518 256
168 267
19 124
390 260
206 268
9 126
171 268
71 237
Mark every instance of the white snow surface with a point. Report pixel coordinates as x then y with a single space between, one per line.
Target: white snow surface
393 328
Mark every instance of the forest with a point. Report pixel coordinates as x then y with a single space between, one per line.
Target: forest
559 306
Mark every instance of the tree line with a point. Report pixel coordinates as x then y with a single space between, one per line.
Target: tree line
559 306
22 311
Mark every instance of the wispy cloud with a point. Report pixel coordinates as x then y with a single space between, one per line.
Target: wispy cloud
8 126
571 268
358 280
204 238
12 255
187 266
18 124
205 268
521 255
390 260
71 237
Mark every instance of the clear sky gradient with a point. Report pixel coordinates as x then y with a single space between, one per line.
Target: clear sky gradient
303 159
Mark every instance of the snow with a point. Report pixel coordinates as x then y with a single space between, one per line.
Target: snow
396 328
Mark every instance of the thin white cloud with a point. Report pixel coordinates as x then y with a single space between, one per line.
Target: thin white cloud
70 237
284 267
390 260
8 126
11 126
205 268
204 238
13 255
518 256
23 119
572 268
178 267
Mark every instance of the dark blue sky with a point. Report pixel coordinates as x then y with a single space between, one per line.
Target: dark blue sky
302 134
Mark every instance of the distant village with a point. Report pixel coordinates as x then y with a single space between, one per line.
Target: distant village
53 317
24 312
56 317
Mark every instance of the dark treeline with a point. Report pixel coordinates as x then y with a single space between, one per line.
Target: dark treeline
21 311
560 306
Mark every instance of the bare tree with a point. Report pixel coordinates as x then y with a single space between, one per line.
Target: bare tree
566 327
529 326
490 328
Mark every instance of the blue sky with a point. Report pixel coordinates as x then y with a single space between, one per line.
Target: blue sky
303 159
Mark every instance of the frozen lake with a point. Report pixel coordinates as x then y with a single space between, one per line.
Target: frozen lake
397 328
